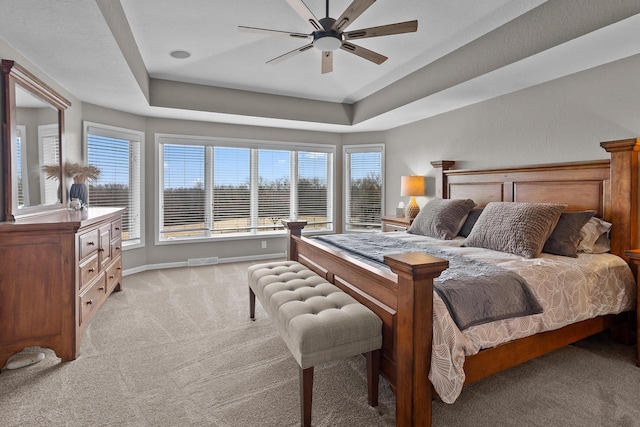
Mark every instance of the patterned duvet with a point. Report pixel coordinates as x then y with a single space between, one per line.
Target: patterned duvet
569 289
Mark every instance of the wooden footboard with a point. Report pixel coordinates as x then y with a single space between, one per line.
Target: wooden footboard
403 298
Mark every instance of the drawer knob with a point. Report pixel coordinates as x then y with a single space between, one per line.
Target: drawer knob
117 248
91 270
101 288
112 276
117 228
90 302
90 243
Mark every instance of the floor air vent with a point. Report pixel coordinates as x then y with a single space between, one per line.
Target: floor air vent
194 262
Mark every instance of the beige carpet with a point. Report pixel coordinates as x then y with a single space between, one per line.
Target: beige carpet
176 348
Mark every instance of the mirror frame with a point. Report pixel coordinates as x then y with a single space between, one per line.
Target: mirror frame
13 74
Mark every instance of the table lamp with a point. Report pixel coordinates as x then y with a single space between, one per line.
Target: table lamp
412 186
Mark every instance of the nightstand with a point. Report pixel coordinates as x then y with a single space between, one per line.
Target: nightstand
394 223
634 257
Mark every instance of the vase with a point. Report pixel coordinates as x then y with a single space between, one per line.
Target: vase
79 191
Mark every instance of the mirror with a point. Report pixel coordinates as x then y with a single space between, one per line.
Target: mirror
34 117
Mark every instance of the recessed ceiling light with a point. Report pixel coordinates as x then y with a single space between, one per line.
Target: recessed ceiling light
180 54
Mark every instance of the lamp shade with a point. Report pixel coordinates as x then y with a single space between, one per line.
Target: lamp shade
412 185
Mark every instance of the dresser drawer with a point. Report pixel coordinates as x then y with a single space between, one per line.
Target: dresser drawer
116 248
105 245
88 243
88 271
394 227
114 275
116 228
91 298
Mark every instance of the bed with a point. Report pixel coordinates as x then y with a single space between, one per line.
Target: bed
403 295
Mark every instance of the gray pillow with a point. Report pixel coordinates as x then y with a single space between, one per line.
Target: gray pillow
517 228
565 238
473 216
441 218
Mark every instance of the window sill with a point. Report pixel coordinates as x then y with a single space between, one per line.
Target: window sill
247 236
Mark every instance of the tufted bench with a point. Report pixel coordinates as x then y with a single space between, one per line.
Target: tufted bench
318 322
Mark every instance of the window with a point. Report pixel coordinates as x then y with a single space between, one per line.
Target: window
118 154
49 152
212 188
364 187
22 178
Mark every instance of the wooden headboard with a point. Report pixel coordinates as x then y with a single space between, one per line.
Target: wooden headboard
609 187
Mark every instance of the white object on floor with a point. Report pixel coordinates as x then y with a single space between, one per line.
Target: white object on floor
25 360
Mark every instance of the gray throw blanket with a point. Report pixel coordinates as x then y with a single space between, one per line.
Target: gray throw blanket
474 292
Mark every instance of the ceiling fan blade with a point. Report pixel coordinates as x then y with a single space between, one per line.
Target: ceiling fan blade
354 10
327 62
307 15
290 54
364 53
383 30
268 32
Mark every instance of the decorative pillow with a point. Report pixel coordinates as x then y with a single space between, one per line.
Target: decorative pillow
595 237
565 238
513 227
441 218
473 216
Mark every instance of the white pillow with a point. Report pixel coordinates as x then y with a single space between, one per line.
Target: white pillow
595 237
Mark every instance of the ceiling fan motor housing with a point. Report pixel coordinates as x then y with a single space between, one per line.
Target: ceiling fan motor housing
327 39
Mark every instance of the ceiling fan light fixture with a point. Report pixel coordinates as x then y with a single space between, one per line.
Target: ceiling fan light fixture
327 43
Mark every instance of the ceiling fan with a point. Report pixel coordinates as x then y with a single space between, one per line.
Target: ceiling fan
329 34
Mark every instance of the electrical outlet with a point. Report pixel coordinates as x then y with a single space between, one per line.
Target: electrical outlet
264 244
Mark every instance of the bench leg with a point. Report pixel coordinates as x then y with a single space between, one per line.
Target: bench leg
306 395
373 372
252 304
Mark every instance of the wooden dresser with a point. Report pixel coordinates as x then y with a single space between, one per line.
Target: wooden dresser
56 269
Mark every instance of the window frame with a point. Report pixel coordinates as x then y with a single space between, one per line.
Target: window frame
346 179
110 131
175 139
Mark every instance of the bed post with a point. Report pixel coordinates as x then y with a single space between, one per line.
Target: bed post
294 228
442 188
414 334
624 194
624 210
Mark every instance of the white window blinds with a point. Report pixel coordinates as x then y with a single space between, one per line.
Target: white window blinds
363 187
240 190
314 189
49 146
117 154
231 209
22 176
183 207
274 188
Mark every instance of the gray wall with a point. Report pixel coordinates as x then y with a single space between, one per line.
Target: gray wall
560 121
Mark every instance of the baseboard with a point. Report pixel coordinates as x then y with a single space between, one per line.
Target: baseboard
162 266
